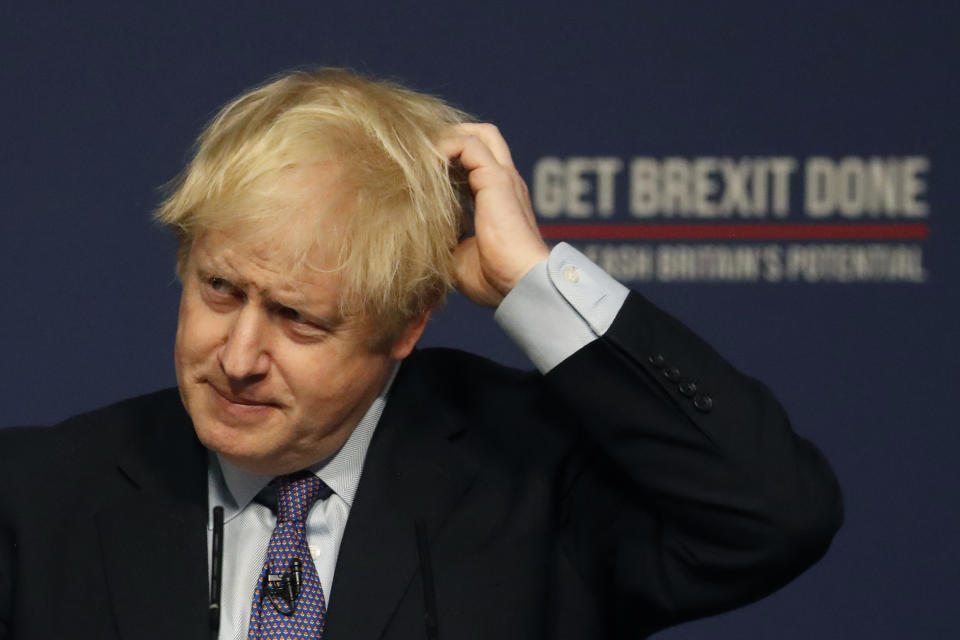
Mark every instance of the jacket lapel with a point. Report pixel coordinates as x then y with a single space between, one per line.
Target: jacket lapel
154 545
413 473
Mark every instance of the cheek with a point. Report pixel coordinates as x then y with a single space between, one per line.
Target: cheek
331 380
198 333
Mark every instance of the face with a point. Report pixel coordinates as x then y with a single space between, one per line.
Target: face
271 374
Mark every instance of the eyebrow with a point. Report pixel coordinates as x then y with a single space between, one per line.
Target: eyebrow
324 322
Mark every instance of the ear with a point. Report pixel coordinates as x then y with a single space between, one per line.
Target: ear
407 339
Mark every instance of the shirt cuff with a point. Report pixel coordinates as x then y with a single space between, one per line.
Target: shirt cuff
560 306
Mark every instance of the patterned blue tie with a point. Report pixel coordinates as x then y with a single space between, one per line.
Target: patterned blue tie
274 613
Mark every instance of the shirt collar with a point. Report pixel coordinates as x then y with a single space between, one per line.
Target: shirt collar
234 489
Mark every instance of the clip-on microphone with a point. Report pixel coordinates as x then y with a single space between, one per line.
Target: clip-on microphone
285 586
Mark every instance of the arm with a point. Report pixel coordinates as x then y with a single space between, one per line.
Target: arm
690 500
715 501
705 508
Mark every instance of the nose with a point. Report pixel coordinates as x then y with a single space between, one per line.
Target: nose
243 357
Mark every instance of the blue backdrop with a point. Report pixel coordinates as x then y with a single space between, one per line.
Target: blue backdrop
827 131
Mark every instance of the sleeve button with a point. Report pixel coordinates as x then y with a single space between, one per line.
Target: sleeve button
687 388
703 403
658 360
672 374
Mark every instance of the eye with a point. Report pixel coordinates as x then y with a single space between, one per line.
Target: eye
221 285
219 290
299 326
292 315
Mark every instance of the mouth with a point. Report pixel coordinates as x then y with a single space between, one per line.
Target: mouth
238 404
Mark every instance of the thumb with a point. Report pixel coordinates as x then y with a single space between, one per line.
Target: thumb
471 280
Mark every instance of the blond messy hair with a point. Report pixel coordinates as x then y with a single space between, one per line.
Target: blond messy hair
398 207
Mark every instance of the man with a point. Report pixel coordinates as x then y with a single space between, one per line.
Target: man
371 490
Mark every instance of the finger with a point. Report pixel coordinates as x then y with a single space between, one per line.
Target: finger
469 274
477 158
491 136
470 149
483 167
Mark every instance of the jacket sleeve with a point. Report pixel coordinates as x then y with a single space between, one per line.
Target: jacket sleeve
694 494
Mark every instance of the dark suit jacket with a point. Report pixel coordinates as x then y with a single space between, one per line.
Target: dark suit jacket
597 501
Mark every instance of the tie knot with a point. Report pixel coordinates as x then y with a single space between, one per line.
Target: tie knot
297 493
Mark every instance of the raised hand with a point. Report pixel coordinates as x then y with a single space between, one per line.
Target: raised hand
506 242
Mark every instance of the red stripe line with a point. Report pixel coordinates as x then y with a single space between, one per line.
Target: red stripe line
737 231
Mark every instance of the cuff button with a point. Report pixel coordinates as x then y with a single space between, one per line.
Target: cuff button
672 374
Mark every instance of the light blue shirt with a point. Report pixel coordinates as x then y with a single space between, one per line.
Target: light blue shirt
559 307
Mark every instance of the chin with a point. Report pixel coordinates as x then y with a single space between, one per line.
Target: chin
218 437
246 445
235 446
223 433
